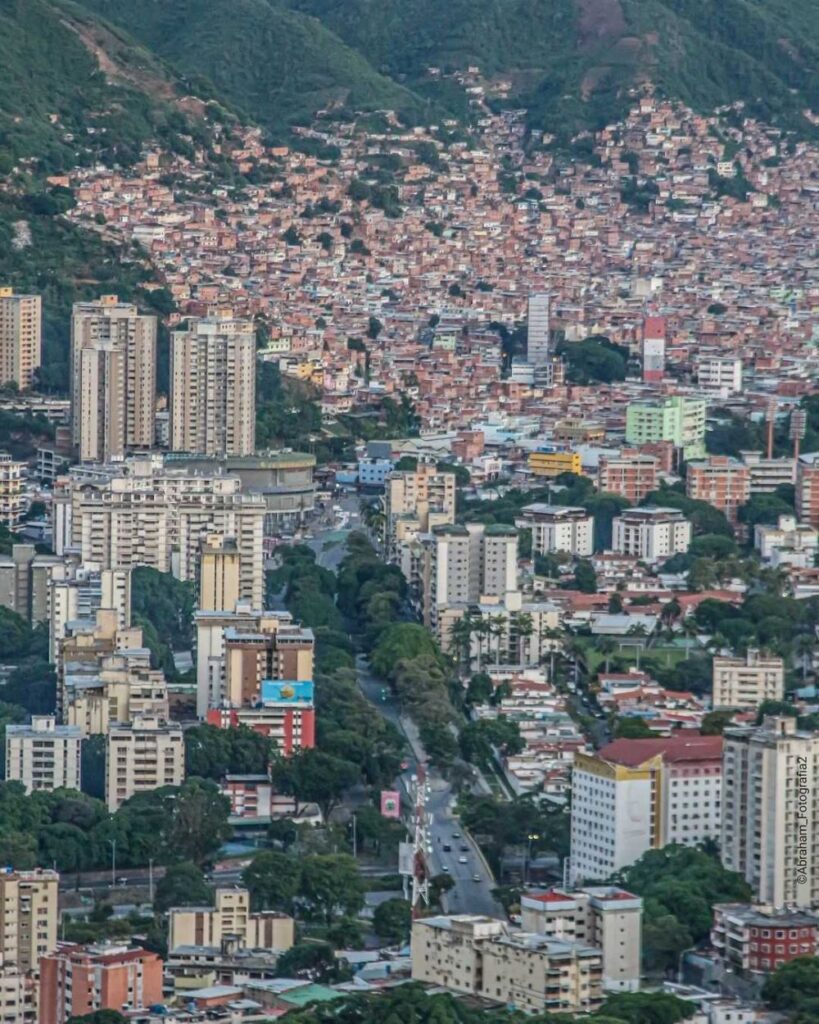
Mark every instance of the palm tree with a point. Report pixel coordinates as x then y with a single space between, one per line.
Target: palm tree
522 626
671 611
481 629
638 629
461 638
497 629
606 646
576 652
690 631
551 634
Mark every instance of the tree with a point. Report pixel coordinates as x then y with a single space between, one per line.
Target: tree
392 921
331 883
92 770
585 578
312 776
605 646
212 753
100 1017
794 986
314 961
632 729
647 1008
716 722
199 824
273 880
478 738
183 885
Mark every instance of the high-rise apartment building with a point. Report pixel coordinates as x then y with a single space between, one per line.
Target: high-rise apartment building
77 592
605 917
29 916
678 419
12 504
807 488
630 474
213 387
25 578
43 755
219 574
230 916
538 350
466 563
148 512
113 379
770 811
415 501
651 534
653 348
722 481
21 330
142 755
720 375
745 682
637 795
558 528
80 980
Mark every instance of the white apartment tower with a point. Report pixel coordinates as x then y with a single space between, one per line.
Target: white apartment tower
558 528
20 337
771 811
213 387
537 334
113 379
43 755
651 534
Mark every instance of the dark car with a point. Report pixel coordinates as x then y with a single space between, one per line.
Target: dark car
447 847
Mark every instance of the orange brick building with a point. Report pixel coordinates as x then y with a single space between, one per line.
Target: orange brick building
76 980
722 481
630 474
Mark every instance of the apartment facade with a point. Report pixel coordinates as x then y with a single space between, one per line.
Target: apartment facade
113 379
807 488
77 980
21 333
219 574
213 387
653 349
678 419
12 501
771 811
143 512
720 376
558 528
415 501
745 682
605 917
630 474
722 481
482 956
43 755
637 795
757 938
538 350
29 917
25 577
651 534
142 755
230 916
786 538
552 463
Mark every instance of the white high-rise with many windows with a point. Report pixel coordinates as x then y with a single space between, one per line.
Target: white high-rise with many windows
538 351
213 387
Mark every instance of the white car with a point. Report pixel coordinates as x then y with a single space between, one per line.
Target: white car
463 860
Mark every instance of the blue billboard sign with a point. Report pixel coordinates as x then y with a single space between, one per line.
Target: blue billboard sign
285 691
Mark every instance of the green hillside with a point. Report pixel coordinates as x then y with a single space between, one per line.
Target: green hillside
73 89
572 60
278 66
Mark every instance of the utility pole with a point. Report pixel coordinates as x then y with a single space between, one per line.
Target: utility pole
113 843
151 881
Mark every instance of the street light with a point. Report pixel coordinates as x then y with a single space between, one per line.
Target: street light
529 838
113 845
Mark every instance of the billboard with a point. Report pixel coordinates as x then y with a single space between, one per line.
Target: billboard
406 859
390 803
283 691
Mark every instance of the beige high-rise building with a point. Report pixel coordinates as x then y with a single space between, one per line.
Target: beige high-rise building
113 379
213 387
219 571
482 956
208 926
43 755
29 917
12 474
415 502
770 812
140 756
745 682
21 331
